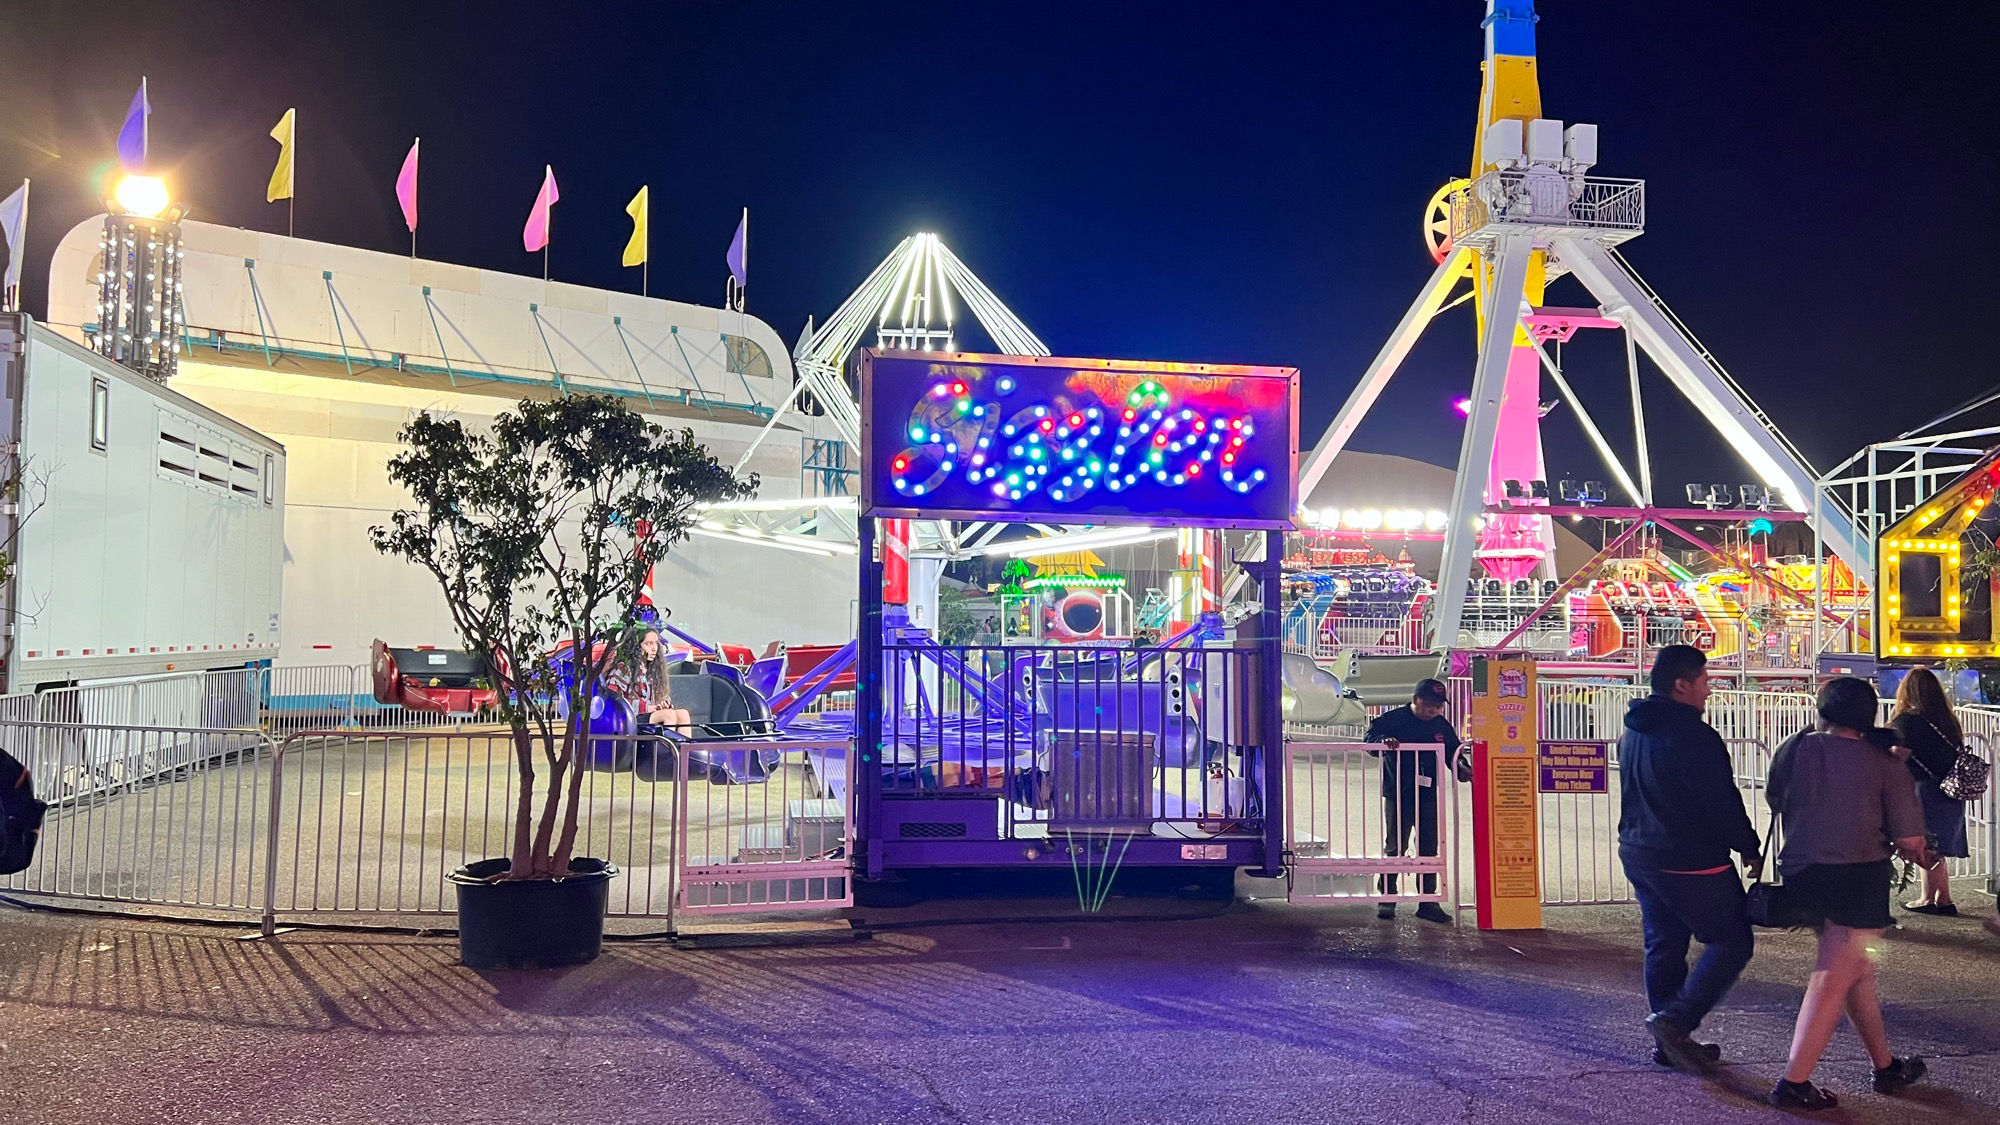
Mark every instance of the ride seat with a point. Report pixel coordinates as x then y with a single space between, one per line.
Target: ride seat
767 675
718 707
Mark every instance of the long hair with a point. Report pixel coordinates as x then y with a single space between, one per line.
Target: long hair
651 673
656 679
1921 695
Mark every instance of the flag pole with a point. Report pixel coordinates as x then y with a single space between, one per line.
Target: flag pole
21 250
292 200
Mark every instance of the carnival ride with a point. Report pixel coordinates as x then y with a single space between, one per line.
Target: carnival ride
1085 734
432 680
1530 213
1066 600
1931 492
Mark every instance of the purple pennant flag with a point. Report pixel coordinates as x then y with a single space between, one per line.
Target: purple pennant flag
739 249
132 136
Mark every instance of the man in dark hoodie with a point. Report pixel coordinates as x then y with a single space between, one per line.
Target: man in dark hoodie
1681 817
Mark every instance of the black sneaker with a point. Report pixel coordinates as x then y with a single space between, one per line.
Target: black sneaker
1935 909
1386 911
1432 912
1801 1095
1713 1052
1899 1073
1682 1052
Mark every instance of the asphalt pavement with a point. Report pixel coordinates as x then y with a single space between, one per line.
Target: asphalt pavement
933 1007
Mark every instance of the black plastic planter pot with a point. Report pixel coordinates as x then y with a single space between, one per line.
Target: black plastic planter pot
531 923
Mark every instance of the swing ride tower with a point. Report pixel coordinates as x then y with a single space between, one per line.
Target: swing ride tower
1529 214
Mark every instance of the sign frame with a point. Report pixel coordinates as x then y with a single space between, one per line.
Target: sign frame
1506 801
1564 754
1282 472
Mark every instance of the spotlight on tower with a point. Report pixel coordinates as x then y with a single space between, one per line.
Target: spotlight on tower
143 196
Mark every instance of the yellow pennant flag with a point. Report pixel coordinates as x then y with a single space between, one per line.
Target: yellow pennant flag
281 176
635 250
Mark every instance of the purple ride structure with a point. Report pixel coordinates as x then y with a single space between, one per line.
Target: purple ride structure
1053 755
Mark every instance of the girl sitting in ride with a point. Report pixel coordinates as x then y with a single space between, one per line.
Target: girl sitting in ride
642 681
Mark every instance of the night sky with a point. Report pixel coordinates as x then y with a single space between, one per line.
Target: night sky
1226 182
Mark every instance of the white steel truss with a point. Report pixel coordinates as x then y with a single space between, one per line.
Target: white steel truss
908 301
1579 242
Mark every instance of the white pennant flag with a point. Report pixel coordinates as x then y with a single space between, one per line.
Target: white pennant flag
13 223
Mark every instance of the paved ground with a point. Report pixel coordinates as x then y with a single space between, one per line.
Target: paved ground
1191 1011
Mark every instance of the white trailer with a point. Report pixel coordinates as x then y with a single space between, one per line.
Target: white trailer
146 535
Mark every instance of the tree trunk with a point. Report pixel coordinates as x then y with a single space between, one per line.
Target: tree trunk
576 744
545 825
524 806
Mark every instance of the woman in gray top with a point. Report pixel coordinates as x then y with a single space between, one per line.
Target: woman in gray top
1844 803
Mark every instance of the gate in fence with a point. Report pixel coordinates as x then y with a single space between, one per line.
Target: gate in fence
1354 835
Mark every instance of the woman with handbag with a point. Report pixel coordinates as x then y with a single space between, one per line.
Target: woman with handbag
1843 805
1924 722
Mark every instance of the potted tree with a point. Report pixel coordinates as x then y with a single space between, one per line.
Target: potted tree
541 532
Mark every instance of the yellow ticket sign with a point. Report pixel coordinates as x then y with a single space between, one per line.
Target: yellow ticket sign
1506 843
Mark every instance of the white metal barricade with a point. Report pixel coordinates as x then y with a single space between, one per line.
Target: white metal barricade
157 816
783 844
338 697
1349 841
310 697
1326 635
1982 827
374 822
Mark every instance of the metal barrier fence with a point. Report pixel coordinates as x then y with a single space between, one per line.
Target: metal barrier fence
350 824
371 823
224 698
1079 737
1350 841
374 823
784 843
1324 635
1982 737
278 699
157 816
336 697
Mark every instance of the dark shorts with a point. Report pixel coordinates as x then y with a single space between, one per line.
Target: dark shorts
1845 894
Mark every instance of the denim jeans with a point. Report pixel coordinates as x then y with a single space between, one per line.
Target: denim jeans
1675 908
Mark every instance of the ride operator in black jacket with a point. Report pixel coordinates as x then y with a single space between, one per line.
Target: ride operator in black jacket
1410 785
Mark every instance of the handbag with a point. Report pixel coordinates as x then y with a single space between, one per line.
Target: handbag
1767 903
1969 774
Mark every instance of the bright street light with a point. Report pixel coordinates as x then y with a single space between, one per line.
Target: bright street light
143 196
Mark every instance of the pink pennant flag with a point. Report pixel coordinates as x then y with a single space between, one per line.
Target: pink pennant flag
406 187
535 236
